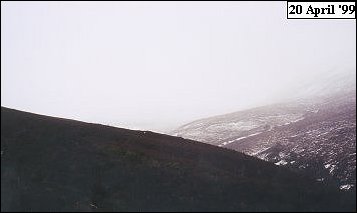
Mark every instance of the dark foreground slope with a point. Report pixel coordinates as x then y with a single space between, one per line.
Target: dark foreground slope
51 164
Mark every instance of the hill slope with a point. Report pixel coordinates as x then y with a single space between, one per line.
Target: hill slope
52 164
316 137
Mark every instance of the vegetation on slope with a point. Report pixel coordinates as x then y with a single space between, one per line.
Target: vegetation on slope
52 164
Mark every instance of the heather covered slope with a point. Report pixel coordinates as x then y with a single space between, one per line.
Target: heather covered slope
52 164
323 144
315 136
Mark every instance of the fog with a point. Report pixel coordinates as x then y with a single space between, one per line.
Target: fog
157 65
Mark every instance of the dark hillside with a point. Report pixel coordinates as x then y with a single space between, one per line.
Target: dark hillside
53 164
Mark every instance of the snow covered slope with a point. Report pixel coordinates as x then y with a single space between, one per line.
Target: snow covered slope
315 136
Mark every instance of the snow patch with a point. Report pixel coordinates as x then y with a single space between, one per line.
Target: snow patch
331 167
327 166
234 140
281 162
282 154
263 156
346 187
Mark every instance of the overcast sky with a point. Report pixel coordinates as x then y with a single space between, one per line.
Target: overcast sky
158 65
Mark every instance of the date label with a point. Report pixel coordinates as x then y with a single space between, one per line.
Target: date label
321 10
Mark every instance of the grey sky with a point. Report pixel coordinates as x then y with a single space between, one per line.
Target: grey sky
159 65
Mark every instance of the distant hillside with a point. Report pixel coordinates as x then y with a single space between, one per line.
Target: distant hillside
312 136
53 164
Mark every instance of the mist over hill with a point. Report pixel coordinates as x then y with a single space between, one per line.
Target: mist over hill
314 133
